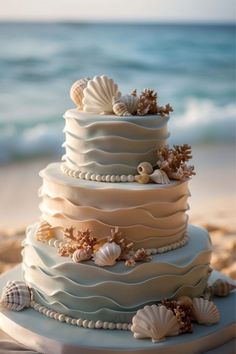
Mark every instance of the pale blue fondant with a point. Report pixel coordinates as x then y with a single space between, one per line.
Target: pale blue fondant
114 293
109 144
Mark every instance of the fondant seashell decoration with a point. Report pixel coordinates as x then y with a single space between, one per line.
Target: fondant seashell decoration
143 178
77 91
155 322
221 287
159 176
81 255
131 103
119 107
98 95
15 296
107 254
205 311
44 231
145 168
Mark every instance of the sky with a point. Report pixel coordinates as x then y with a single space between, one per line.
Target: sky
122 10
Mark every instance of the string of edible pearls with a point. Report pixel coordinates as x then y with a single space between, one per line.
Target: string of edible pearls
79 322
150 251
98 178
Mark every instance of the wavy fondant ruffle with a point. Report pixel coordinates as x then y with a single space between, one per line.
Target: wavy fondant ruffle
110 144
114 293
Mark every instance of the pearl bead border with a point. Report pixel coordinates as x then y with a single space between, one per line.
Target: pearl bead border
79 322
53 242
94 177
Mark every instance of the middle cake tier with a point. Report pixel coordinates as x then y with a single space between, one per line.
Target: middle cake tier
150 215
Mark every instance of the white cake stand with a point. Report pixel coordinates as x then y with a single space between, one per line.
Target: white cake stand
48 336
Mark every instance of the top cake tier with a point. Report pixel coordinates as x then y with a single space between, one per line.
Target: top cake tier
111 145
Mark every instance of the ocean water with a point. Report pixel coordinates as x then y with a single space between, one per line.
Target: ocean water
190 66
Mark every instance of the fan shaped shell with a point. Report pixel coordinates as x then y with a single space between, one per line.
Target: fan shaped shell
98 95
205 311
15 296
160 176
131 103
107 254
77 91
155 322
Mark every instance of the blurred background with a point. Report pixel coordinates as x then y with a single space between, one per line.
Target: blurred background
184 49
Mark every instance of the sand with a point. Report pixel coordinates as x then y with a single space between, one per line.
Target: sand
212 204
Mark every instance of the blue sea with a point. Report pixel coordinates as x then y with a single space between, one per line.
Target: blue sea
191 66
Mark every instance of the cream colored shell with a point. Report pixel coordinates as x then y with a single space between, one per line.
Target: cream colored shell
119 107
145 168
159 176
98 95
221 287
44 231
205 311
131 103
107 254
155 322
15 296
81 255
77 91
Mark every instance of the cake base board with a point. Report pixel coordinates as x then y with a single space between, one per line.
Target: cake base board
48 336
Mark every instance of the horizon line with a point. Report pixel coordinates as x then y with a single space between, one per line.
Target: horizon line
120 21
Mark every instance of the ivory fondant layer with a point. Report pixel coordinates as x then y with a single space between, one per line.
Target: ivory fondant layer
114 293
151 215
112 145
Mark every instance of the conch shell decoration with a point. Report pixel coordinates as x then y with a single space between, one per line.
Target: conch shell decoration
119 107
155 322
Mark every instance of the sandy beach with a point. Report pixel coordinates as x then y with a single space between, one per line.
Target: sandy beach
212 204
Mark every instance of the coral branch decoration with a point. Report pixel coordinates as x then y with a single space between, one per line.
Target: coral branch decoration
182 312
80 240
174 160
147 103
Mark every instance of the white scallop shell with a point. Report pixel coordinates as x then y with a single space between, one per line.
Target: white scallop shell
15 295
156 322
160 176
77 91
107 254
131 103
81 255
98 95
119 107
205 311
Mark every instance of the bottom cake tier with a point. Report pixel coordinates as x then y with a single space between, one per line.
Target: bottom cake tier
85 290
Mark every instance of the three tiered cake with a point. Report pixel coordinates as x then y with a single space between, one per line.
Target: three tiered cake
113 249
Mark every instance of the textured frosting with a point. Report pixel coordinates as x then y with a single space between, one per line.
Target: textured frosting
150 215
114 293
111 145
